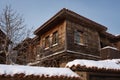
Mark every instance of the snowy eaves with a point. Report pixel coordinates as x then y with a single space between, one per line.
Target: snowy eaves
101 65
37 71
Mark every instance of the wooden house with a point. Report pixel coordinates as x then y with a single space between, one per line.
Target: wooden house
68 36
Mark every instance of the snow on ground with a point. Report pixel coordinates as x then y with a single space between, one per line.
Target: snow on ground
29 70
108 64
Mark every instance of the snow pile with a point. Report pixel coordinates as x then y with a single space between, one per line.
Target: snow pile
109 47
28 70
107 64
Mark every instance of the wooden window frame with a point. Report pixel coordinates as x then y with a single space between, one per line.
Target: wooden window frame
47 42
55 38
78 37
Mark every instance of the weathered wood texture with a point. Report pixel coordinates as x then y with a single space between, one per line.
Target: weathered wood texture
98 75
109 53
104 41
103 76
117 45
53 48
90 39
66 22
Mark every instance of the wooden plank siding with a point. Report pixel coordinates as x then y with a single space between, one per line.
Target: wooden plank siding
117 45
101 76
98 75
90 39
60 28
65 22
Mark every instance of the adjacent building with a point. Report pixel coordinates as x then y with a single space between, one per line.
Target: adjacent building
23 51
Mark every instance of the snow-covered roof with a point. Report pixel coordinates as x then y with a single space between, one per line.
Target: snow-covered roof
113 64
37 71
109 47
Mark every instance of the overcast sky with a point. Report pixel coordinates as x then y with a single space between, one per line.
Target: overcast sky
36 12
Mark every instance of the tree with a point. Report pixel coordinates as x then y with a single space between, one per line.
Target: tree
12 24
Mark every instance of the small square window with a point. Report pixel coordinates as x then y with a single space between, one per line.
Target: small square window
47 42
55 38
78 37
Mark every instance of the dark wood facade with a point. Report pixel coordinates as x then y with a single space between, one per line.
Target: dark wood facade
56 41
94 37
99 75
90 37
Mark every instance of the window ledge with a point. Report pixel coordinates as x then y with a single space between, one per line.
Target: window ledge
46 48
81 44
55 44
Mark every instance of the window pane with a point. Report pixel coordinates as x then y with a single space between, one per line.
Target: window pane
55 38
78 37
47 41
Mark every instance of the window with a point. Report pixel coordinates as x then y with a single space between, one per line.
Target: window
47 42
78 37
55 38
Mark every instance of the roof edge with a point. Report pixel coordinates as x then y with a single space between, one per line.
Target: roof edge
69 12
50 20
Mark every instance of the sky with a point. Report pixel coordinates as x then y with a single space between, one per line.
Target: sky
37 12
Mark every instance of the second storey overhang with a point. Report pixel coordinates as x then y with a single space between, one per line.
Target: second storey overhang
66 14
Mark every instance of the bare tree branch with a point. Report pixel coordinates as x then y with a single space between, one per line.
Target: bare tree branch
12 24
